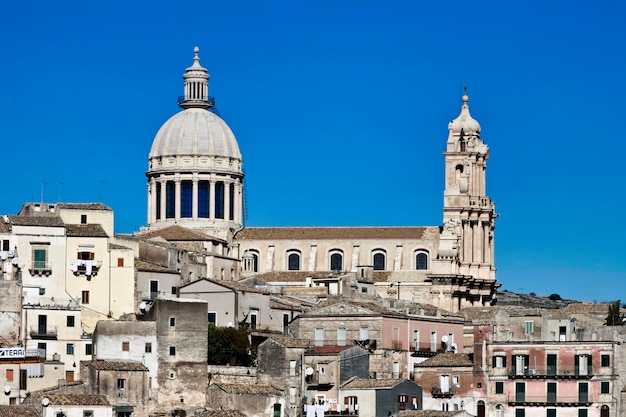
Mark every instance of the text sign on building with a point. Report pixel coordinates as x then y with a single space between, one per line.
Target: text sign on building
12 353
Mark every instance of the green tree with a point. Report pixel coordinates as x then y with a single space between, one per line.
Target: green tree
615 316
229 346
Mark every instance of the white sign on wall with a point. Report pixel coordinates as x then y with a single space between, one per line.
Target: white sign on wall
12 353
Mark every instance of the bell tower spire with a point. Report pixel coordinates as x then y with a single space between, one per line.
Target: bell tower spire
468 213
196 85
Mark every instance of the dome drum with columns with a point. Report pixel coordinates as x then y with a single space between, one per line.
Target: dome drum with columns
195 180
195 176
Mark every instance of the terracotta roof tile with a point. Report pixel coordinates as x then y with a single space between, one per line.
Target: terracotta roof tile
179 233
291 342
219 413
253 389
447 359
84 206
78 399
18 411
102 365
326 233
85 230
358 383
143 265
46 221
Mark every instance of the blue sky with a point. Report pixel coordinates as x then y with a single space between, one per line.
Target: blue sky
341 110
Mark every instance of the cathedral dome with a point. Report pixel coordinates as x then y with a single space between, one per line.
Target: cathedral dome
195 132
464 122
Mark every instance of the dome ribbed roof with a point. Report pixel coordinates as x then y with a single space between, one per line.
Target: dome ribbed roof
195 132
465 122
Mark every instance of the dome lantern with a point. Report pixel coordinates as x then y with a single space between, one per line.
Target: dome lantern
196 85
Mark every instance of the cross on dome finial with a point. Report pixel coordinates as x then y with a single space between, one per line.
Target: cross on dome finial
465 97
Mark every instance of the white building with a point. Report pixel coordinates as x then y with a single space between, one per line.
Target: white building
195 181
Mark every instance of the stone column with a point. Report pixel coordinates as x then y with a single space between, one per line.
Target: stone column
177 198
212 199
226 200
162 184
150 202
194 198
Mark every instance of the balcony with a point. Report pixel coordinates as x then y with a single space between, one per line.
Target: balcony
437 392
424 349
88 268
40 268
573 372
43 332
549 400
50 303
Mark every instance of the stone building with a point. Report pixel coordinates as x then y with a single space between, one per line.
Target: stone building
124 384
195 181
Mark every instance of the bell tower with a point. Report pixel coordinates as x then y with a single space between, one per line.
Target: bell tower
469 214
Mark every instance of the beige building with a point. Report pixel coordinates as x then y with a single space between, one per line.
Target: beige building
195 181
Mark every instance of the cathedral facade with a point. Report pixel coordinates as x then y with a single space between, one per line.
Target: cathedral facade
195 181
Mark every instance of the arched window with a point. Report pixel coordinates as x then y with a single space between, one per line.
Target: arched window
421 260
219 200
336 261
499 410
604 411
186 190
480 409
231 199
293 261
203 199
170 199
379 261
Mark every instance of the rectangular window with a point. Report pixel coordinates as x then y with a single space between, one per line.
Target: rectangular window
121 387
172 321
583 392
9 375
86 255
70 321
341 336
89 349
125 346
364 333
285 322
40 258
83 219
605 387
23 379
174 290
402 400
551 412
212 318
254 319
529 327
292 368
605 361
5 245
172 350
69 348
88 413
148 347
319 336
85 297
499 361
292 395
520 412
582 412
120 262
551 388
499 387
